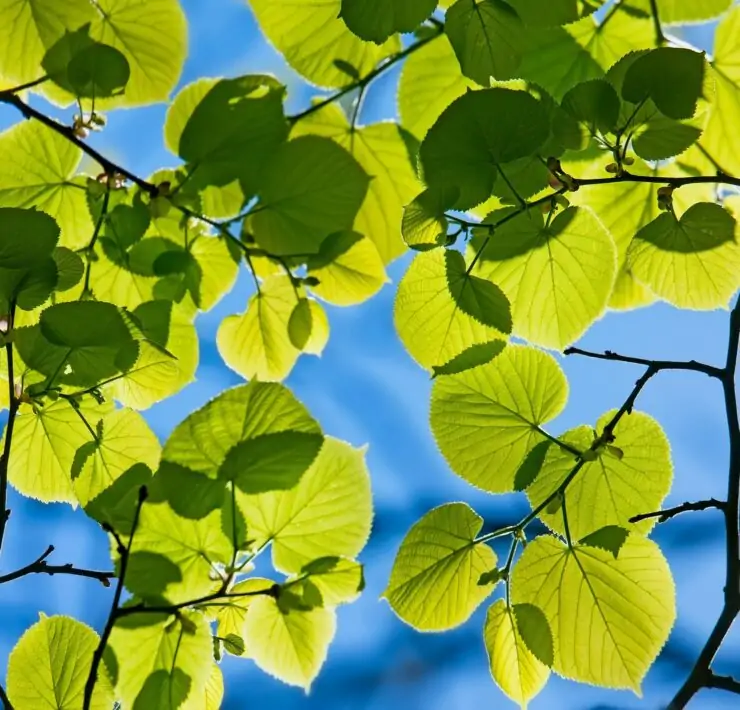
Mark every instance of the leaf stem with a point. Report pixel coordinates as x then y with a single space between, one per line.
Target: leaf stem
659 36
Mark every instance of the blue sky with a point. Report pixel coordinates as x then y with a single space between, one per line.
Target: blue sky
365 389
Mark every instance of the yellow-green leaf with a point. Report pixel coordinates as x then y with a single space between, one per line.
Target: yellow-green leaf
621 610
513 666
487 419
231 615
289 645
435 581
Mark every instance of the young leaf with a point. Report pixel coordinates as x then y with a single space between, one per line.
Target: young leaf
230 617
609 538
486 420
473 356
376 21
300 324
329 512
622 610
434 583
49 665
513 666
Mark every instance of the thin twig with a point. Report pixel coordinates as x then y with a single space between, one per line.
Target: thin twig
125 553
14 406
723 682
669 513
40 566
5 700
691 365
659 36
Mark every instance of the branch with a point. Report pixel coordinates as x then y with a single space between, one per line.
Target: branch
669 513
723 682
659 36
691 365
701 675
676 182
125 553
13 408
41 567
368 78
6 701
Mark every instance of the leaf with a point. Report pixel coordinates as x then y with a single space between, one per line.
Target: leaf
309 189
256 344
558 277
594 103
425 224
462 151
230 617
516 671
486 420
339 579
300 324
29 237
434 582
672 77
172 557
212 695
377 21
98 71
161 661
289 646
316 42
557 12
609 538
487 37
679 11
430 81
691 262
156 374
38 172
431 325
70 268
48 667
535 632
621 610
156 58
608 490
348 268
477 297
329 512
117 504
28 29
387 153
473 356
249 114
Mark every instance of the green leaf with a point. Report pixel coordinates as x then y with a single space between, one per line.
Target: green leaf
234 645
256 344
49 665
691 262
329 512
339 579
425 224
28 29
477 297
117 504
488 38
679 11
608 490
161 661
290 646
672 77
434 582
557 276
661 138
535 632
462 151
38 172
257 435
556 12
70 268
300 324
513 666
316 42
230 617
473 356
29 237
594 103
167 360
387 153
45 441
621 610
172 557
609 538
431 325
486 420
348 268
310 188
430 81
377 21
248 112
212 695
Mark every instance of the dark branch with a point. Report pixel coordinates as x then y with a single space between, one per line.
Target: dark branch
5 700
125 553
13 408
691 365
676 182
669 513
40 566
723 682
659 36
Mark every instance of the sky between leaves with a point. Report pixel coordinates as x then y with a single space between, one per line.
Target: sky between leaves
366 389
